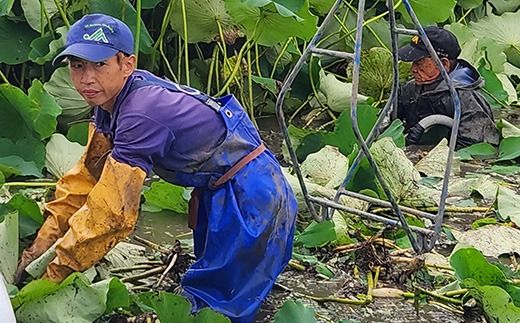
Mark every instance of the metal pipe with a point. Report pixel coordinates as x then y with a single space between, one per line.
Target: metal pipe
279 105
388 204
368 215
359 137
454 130
333 53
405 31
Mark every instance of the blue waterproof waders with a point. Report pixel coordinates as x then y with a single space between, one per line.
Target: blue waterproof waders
245 227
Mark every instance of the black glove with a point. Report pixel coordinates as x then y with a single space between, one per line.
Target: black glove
414 135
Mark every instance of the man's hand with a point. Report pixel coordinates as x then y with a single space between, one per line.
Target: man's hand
414 135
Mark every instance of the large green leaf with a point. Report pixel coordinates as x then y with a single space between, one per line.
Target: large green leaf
493 85
343 135
204 17
16 122
74 300
164 195
423 9
30 216
316 234
508 205
61 155
15 41
503 31
15 165
322 7
72 103
149 4
125 11
508 129
33 14
9 244
294 311
470 264
496 303
175 308
481 150
509 148
337 95
78 132
268 26
45 48
5 7
44 110
30 149
502 6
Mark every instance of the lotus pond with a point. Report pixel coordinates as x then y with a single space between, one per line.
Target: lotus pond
343 270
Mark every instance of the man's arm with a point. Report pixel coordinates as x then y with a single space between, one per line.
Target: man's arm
71 193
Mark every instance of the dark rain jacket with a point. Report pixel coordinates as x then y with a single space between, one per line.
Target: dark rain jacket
476 122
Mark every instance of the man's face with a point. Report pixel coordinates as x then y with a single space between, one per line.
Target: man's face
100 83
425 70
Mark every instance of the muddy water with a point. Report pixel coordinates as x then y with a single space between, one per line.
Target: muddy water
162 227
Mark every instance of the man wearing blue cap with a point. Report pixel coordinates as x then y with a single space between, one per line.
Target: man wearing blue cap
426 100
242 210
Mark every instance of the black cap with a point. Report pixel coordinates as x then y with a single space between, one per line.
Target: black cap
443 42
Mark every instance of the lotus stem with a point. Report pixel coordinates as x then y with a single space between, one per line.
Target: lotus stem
144 274
130 268
185 33
30 184
152 245
63 14
137 30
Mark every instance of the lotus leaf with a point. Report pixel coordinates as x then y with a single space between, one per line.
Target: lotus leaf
5 7
267 26
508 204
425 14
45 48
166 196
15 41
503 32
509 148
502 6
294 311
508 129
61 155
33 14
336 94
8 244
326 167
204 17
491 240
124 10
72 103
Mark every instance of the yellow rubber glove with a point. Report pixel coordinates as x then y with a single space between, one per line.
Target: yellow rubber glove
108 216
71 193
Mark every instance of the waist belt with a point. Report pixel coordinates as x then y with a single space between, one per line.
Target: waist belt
193 205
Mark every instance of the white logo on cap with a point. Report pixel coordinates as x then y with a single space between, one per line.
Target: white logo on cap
98 35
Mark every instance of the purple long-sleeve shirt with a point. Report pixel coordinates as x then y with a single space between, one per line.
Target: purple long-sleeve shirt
154 127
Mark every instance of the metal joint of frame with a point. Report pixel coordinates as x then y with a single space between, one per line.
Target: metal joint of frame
422 239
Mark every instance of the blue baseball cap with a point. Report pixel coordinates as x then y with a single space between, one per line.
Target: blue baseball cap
96 38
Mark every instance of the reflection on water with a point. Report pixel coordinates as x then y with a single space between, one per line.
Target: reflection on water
162 227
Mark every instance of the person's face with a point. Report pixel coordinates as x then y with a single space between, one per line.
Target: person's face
425 71
100 83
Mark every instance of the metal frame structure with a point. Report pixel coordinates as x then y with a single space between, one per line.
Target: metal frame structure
422 239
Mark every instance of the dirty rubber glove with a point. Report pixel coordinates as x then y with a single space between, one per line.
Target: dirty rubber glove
108 216
71 193
414 135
